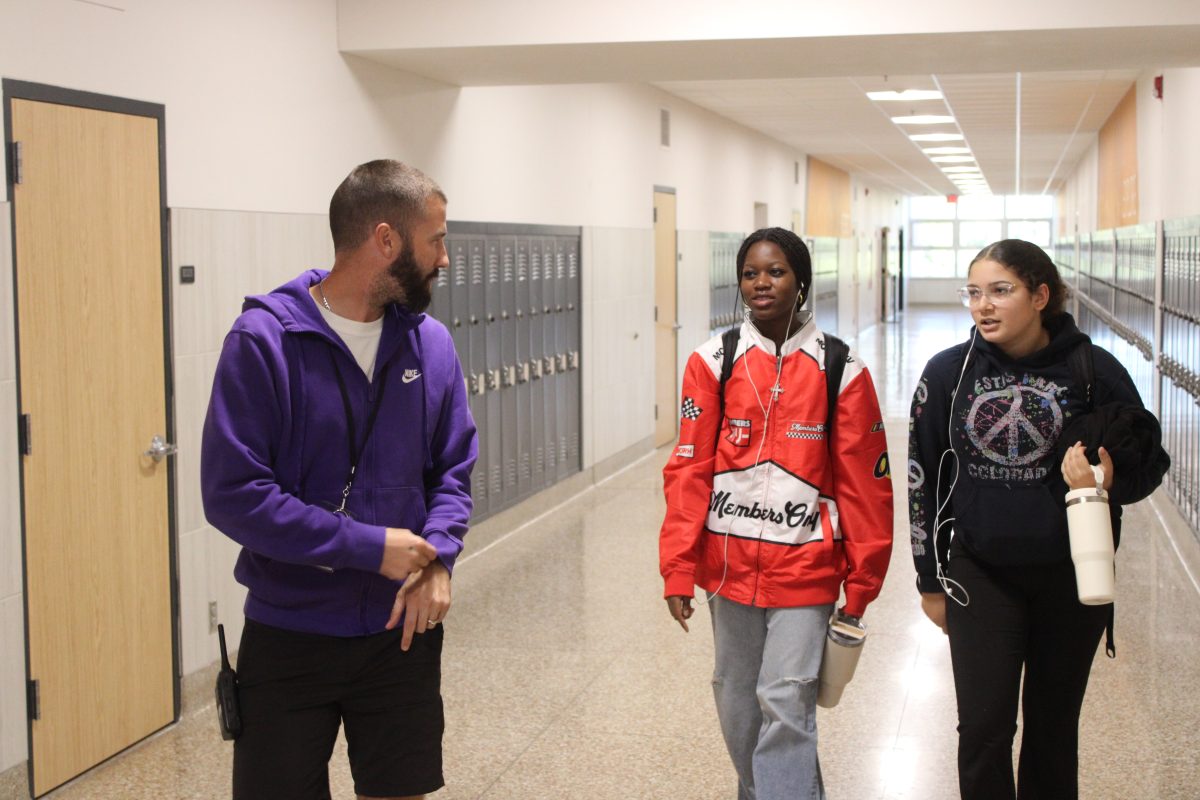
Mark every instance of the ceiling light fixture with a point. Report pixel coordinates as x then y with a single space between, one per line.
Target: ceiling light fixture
960 169
936 137
924 119
952 159
944 151
907 94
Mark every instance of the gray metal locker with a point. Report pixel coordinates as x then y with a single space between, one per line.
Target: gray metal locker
523 389
495 420
439 307
513 309
476 317
507 325
562 394
550 356
574 389
537 352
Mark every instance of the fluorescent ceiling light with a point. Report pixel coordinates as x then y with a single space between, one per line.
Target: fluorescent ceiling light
945 151
907 94
952 159
923 119
937 137
950 170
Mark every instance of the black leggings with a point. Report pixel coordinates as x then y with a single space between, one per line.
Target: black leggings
1019 617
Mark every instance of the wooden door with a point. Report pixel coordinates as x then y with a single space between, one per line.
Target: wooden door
89 274
666 327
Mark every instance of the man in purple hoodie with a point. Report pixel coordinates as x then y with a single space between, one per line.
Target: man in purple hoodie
337 451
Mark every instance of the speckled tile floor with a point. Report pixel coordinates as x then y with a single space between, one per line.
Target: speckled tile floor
565 678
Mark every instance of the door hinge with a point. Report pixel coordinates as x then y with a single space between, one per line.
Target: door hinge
656 412
656 214
656 313
14 162
32 700
24 435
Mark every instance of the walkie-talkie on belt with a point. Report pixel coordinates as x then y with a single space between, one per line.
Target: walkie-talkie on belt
229 714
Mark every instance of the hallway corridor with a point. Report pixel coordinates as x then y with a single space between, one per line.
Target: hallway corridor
565 679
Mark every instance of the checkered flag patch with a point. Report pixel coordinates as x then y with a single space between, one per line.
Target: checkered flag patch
690 409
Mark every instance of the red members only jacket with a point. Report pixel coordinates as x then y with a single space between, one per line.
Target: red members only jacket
763 509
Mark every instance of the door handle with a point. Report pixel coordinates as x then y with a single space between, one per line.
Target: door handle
160 448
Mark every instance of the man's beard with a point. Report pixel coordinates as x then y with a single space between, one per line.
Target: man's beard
404 284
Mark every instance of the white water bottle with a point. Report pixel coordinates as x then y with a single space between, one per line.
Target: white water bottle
1089 527
843 646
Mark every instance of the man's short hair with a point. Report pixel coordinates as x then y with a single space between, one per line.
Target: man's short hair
378 191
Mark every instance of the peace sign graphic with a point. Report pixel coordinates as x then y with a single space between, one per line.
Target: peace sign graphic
1016 425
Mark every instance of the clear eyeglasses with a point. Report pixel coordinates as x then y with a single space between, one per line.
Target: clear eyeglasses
998 293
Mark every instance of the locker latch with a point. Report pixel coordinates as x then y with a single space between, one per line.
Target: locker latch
478 383
573 359
536 368
508 377
493 379
562 362
523 372
548 365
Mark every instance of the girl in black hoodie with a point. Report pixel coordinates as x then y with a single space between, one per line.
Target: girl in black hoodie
987 478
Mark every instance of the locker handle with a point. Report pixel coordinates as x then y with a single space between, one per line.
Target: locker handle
457 322
558 309
474 320
570 306
503 315
546 310
520 314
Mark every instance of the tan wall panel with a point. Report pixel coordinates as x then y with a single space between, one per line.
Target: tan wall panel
828 200
1117 198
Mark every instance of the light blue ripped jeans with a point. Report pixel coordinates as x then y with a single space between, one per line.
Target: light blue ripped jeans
765 684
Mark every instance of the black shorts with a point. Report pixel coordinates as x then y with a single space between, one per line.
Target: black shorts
296 689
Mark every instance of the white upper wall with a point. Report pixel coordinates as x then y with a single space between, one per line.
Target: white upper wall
1177 158
263 113
590 154
1168 160
376 24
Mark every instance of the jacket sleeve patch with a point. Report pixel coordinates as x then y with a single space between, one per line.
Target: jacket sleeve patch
740 432
882 468
690 410
685 451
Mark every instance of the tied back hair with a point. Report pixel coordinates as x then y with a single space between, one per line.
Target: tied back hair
1031 264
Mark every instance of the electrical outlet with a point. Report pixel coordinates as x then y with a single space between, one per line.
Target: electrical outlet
212 617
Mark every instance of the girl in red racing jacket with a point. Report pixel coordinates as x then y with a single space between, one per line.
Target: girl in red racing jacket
772 514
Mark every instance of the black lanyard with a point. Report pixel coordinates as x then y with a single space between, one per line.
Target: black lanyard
356 453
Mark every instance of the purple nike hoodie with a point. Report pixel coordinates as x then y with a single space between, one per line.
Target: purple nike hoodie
276 456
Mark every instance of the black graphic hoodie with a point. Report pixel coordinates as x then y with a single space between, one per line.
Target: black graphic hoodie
997 444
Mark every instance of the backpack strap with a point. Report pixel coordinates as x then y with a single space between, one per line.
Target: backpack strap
729 345
836 353
1083 372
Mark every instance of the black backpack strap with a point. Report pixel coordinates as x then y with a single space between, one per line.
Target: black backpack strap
729 345
1083 371
836 353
